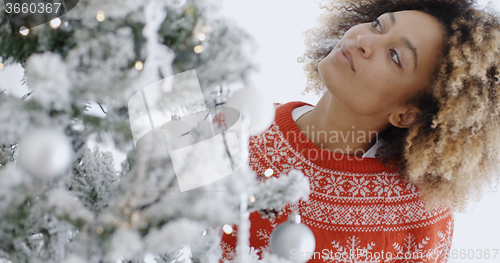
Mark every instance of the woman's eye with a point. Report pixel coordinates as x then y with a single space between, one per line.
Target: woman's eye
395 57
376 25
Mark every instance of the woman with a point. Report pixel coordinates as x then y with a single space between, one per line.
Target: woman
405 133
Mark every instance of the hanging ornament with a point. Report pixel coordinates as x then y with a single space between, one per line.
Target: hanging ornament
255 106
45 153
293 237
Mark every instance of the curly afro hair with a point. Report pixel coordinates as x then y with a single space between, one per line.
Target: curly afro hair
451 151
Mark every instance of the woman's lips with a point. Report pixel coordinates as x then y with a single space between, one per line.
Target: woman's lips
344 57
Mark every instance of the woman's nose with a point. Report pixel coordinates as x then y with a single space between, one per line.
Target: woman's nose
365 44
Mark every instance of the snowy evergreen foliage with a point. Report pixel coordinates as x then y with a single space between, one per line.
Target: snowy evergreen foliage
275 193
93 213
94 178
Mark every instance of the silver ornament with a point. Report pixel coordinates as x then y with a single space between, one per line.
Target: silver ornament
293 240
45 153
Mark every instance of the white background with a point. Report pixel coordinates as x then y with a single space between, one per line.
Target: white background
277 26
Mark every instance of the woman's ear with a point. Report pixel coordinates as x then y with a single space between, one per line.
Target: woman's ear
404 117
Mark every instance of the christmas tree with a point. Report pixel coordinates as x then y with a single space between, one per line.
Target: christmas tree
61 201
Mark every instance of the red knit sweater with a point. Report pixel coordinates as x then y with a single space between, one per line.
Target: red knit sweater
357 206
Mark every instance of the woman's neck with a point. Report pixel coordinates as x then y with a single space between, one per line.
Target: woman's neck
335 128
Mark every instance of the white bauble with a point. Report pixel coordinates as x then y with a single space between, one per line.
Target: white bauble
45 153
255 106
293 240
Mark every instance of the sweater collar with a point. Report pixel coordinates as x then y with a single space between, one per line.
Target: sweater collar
324 158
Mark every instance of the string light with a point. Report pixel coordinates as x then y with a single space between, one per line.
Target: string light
201 37
139 65
198 49
135 217
100 16
227 229
55 23
99 230
190 10
1 66
252 199
268 172
24 31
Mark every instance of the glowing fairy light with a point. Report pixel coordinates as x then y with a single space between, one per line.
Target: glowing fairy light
24 31
189 10
201 37
135 217
1 66
100 16
198 49
55 23
139 65
99 230
227 229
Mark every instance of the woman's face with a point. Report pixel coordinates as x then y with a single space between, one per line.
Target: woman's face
376 67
